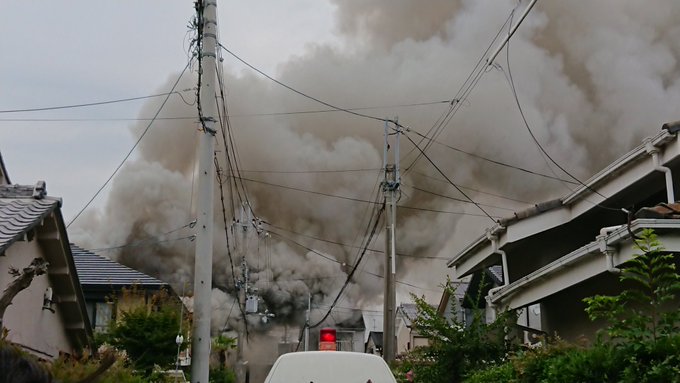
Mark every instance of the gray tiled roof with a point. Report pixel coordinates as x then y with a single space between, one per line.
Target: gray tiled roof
21 209
4 177
410 310
96 270
497 273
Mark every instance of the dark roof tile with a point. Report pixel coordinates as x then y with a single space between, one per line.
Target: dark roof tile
96 270
20 213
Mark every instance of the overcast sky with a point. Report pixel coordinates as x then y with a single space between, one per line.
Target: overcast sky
70 52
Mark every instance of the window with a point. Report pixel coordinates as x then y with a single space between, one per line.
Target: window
102 316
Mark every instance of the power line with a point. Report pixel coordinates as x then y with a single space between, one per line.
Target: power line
312 171
354 269
538 144
72 106
144 243
487 159
455 104
473 189
92 119
300 92
240 115
453 198
336 261
346 244
360 200
146 130
447 178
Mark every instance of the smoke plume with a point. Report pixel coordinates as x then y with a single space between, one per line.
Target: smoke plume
593 78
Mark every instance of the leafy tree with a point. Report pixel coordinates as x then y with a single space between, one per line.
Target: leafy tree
638 313
221 345
147 333
455 349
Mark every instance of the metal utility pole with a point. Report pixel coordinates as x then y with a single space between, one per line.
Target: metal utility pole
243 292
489 60
309 309
200 346
390 187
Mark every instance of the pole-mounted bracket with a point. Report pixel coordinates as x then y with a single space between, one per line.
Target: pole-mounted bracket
206 128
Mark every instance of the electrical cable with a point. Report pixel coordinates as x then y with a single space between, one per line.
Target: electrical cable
453 198
72 106
455 104
474 190
347 245
144 243
369 201
243 115
463 92
447 178
297 91
351 273
311 171
538 144
487 159
341 263
264 114
129 153
224 217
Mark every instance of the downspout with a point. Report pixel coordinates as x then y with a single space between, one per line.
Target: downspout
506 280
654 152
608 251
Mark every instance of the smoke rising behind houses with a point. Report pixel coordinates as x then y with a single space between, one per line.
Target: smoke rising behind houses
593 78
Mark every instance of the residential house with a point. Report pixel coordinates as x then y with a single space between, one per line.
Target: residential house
373 331
104 281
48 317
407 337
557 253
4 178
374 344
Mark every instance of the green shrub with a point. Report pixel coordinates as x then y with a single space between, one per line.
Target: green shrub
503 373
641 343
73 370
455 349
222 375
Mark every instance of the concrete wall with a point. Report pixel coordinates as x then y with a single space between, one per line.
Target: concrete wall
40 331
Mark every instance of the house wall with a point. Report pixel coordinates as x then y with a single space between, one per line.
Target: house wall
39 331
563 314
530 255
403 338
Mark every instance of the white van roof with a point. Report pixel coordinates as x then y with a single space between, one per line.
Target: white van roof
329 367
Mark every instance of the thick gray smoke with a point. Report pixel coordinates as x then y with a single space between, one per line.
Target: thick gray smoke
593 78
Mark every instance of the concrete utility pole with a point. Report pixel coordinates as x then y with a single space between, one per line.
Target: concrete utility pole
243 292
390 188
200 346
309 310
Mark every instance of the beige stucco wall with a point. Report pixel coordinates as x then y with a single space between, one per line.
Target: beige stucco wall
40 331
403 337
